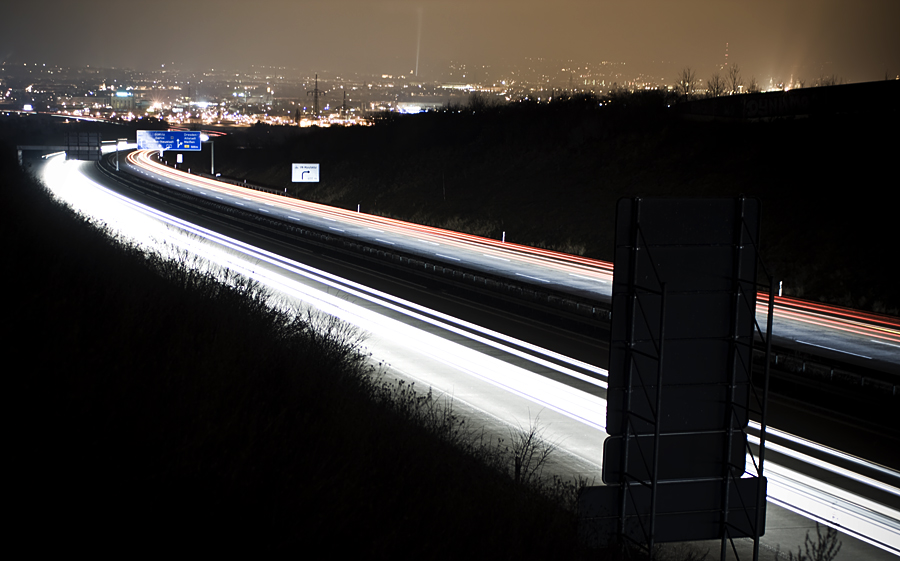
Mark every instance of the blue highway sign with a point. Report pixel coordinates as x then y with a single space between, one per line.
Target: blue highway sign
168 140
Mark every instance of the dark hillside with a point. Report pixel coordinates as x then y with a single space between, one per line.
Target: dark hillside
153 408
550 175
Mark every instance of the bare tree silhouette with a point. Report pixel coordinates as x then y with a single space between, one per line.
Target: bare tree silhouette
754 85
686 82
734 78
829 80
715 86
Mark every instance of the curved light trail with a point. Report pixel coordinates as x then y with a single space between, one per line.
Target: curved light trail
880 327
526 254
465 361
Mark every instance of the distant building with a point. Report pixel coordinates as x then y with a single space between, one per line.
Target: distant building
418 106
122 100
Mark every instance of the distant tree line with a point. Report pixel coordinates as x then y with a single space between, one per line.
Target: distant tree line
732 83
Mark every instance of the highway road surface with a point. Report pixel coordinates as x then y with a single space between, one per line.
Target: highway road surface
498 380
858 337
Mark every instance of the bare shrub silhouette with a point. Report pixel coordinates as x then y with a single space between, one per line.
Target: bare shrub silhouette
530 451
825 547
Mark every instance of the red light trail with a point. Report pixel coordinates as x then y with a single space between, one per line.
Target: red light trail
881 327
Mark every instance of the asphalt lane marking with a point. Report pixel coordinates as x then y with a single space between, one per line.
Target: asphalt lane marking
588 278
885 343
494 257
448 257
530 277
833 349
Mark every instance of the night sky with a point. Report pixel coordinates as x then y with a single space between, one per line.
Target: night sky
856 40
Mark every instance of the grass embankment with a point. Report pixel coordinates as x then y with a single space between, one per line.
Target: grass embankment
157 409
550 175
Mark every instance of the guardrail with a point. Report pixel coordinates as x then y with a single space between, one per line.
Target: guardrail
820 370
244 183
797 365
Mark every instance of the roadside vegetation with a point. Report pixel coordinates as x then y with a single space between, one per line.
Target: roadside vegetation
158 406
550 175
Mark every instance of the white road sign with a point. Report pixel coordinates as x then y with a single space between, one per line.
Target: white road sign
305 173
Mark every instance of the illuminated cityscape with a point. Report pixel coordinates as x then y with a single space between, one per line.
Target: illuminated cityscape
283 96
393 278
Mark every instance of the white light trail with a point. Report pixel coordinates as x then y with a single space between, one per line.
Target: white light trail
401 320
815 316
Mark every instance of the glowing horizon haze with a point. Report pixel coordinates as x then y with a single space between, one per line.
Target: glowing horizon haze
768 39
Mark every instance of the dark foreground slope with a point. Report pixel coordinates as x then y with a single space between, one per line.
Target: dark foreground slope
151 409
550 175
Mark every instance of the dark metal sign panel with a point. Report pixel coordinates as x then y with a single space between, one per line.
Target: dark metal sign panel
695 397
686 511
83 146
704 251
681 342
687 455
